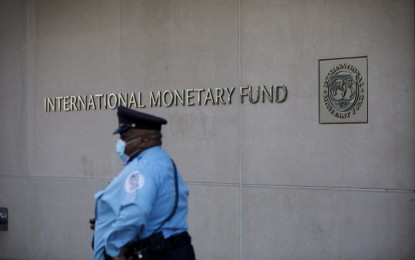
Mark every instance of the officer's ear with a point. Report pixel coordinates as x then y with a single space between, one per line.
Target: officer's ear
144 142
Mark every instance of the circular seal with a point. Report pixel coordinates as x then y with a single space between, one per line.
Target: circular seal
343 91
134 181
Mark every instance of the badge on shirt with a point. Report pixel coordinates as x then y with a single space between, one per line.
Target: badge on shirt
134 181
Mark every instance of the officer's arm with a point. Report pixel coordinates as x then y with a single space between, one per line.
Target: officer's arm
133 216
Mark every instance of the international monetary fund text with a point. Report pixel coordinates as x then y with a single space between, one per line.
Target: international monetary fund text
167 98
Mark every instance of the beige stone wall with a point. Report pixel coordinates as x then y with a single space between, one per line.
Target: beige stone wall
267 180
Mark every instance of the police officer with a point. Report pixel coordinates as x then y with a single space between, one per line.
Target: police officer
142 213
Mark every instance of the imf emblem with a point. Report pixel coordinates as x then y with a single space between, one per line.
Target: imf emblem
342 92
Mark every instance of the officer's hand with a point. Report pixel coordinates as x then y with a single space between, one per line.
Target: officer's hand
121 256
92 223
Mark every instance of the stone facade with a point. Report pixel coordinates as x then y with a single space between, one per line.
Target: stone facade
267 180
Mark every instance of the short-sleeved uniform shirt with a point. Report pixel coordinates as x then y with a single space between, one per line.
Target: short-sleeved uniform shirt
137 201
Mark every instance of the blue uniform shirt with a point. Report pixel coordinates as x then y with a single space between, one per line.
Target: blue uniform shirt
137 201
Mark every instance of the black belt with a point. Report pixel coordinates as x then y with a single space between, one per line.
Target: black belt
155 244
156 241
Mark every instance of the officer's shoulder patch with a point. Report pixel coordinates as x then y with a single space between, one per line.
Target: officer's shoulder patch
134 181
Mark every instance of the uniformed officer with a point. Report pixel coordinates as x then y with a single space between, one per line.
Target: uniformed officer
142 213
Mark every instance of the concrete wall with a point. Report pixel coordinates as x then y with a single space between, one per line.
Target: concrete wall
267 180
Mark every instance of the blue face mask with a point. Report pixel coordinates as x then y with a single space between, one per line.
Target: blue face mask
120 149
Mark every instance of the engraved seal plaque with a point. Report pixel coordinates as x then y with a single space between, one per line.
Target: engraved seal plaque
343 90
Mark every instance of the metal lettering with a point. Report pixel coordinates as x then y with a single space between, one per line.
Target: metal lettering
243 94
178 97
209 97
219 95
165 99
199 90
91 103
284 90
189 97
155 100
230 94
270 94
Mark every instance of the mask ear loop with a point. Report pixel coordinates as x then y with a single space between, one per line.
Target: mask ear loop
129 156
132 140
